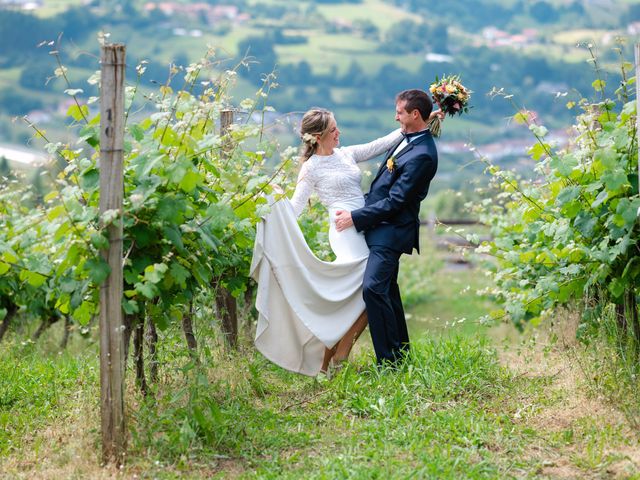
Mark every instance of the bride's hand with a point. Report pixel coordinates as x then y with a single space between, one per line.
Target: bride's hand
277 189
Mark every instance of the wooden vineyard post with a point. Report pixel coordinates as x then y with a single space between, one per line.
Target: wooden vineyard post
111 315
637 54
225 302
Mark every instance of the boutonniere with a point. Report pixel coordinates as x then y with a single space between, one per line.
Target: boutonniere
391 164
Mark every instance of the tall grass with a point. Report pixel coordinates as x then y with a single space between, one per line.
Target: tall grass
38 388
451 411
611 360
364 423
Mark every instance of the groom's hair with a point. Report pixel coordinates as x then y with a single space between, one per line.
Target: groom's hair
416 100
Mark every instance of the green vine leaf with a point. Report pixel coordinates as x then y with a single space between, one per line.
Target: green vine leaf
98 270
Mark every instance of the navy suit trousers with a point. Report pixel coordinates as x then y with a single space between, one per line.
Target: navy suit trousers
381 294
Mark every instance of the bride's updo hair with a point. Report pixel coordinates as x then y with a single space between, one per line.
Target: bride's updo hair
315 122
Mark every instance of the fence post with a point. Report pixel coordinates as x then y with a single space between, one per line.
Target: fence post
111 316
225 302
637 52
226 119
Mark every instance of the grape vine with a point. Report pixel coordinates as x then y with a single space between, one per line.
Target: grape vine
193 194
570 236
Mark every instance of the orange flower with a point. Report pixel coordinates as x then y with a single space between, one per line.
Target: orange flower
391 164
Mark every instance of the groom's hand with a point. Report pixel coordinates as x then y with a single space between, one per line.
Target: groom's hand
437 113
343 220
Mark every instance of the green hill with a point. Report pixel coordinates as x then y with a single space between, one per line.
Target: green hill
349 56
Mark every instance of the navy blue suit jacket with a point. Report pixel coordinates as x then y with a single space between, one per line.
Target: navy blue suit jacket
390 215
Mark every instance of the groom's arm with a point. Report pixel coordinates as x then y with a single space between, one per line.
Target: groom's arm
416 173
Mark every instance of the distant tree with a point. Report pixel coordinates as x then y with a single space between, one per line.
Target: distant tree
472 15
279 37
633 13
241 4
311 11
391 79
577 8
5 168
20 33
439 38
304 97
83 59
537 68
155 16
367 28
79 22
38 75
265 10
405 36
298 93
354 76
181 59
305 74
119 7
323 95
129 8
221 28
372 122
544 12
261 50
296 74
519 7
14 103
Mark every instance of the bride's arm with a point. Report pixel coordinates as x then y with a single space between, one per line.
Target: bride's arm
366 151
304 189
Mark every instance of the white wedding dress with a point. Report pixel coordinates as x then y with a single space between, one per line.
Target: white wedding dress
306 304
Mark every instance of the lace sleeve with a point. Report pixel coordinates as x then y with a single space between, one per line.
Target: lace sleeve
366 151
304 188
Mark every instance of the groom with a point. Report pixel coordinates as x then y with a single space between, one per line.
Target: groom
390 222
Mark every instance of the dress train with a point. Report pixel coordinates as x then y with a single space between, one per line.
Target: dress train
305 304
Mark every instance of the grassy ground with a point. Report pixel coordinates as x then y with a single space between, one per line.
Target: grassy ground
54 7
380 13
327 51
445 297
465 405
459 408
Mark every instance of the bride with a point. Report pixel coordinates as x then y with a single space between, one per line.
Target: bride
311 311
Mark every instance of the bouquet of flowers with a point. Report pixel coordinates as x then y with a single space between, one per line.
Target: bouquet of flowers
451 96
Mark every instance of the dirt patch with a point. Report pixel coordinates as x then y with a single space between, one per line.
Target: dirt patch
578 434
563 470
65 449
